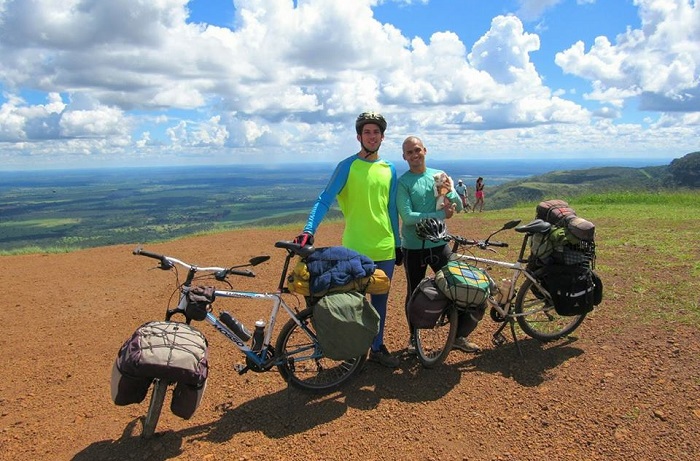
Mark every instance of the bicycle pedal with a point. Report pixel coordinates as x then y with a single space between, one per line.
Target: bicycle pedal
240 368
498 340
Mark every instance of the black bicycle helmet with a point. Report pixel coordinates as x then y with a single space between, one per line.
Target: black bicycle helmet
431 229
370 117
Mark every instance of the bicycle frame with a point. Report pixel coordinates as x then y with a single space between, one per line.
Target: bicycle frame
258 359
518 269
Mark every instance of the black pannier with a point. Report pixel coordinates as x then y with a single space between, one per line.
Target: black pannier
575 290
426 305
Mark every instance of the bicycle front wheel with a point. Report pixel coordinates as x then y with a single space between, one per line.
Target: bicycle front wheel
304 365
537 317
434 344
150 421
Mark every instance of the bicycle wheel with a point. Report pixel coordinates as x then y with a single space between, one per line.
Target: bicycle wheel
433 344
150 421
304 365
538 319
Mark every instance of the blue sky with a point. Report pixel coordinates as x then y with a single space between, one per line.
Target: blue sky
93 83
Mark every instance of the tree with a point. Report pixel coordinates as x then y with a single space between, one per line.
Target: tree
686 170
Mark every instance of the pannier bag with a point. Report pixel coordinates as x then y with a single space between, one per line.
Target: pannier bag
571 240
575 290
186 399
426 304
376 284
466 285
346 324
128 389
172 351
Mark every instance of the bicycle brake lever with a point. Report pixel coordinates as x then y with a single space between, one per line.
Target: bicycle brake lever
165 265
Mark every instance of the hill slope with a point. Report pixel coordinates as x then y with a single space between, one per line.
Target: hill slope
574 183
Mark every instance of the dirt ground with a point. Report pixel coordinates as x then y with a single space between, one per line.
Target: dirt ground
616 390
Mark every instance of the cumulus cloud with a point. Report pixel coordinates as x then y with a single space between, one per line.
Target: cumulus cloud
287 76
659 64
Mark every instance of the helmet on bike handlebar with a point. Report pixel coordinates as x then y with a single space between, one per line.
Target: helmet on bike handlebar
431 229
370 117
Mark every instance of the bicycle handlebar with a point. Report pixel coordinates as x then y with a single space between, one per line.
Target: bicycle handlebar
168 262
483 244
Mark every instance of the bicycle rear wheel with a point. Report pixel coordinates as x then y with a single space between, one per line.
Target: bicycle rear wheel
150 421
537 317
434 344
305 367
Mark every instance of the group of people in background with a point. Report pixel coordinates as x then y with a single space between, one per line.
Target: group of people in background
463 192
372 198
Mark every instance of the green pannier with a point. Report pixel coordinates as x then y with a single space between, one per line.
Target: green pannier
346 324
466 285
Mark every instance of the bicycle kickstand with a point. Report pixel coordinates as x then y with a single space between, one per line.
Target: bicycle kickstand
499 339
515 337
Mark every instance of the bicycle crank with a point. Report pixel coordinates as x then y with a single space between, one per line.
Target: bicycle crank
498 339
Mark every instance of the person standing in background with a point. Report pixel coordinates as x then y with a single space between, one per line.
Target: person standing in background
416 202
463 193
479 194
365 187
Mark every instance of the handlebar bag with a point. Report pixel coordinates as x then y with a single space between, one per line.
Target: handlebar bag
426 304
466 285
346 324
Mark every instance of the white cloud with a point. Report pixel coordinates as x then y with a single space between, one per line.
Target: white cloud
660 62
290 76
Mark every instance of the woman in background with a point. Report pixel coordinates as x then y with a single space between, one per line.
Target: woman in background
479 194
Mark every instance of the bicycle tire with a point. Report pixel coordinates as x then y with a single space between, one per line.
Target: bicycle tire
310 370
434 344
155 406
537 317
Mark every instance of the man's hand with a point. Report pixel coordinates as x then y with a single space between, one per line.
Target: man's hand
450 210
304 239
399 256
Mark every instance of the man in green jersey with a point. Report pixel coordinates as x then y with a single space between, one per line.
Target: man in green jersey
365 186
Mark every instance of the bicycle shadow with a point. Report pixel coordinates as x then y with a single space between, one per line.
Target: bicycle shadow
291 411
286 412
410 382
162 446
530 368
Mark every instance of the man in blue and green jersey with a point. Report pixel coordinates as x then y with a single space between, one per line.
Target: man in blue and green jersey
365 187
416 202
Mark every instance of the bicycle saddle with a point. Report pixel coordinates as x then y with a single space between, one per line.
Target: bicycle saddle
302 251
537 226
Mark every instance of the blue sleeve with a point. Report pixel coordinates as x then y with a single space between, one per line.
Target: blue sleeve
327 197
393 207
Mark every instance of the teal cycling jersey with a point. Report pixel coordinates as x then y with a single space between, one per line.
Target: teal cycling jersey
416 200
366 194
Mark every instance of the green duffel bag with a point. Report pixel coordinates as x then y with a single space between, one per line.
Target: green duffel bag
346 324
466 285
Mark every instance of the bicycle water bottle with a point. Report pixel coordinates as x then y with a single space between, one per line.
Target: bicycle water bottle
258 336
503 291
234 325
